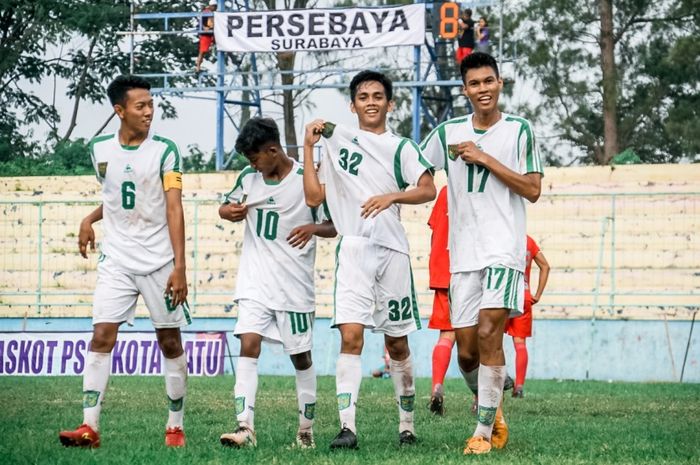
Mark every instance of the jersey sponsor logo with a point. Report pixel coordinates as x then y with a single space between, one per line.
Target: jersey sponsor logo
271 201
355 141
128 169
102 169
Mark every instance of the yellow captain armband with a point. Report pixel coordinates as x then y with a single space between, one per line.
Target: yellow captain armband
172 180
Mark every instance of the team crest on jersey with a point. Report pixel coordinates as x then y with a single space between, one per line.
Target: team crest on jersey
344 400
452 151
102 169
128 169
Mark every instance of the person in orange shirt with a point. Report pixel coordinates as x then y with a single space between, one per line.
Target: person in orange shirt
521 327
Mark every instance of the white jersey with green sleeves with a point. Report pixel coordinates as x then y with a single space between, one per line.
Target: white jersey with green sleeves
487 219
135 223
357 165
271 271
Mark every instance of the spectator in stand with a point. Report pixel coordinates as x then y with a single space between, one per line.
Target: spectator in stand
482 35
466 39
206 34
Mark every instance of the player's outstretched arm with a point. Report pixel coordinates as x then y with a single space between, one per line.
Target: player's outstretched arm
86 235
301 235
233 212
527 185
314 191
177 282
543 265
423 192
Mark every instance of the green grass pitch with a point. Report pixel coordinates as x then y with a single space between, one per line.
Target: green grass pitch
557 423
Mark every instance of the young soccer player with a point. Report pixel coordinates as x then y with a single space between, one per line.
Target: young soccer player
492 163
275 288
143 252
520 327
439 270
363 176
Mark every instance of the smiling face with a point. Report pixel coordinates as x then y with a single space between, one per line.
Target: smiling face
137 112
371 106
483 88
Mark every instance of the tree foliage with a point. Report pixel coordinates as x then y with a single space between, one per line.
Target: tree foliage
76 42
655 74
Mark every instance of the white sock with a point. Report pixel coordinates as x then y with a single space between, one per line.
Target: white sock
405 389
306 397
490 393
245 389
176 388
95 377
472 379
348 376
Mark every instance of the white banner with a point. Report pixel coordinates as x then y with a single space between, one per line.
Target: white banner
42 354
319 29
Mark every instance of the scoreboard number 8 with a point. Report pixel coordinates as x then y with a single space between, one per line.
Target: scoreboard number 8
449 20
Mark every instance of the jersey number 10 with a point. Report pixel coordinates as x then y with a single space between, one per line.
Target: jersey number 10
267 224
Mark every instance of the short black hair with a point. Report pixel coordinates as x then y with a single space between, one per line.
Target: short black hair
117 89
468 11
364 76
477 60
256 133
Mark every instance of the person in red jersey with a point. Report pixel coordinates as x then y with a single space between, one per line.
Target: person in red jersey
521 327
439 269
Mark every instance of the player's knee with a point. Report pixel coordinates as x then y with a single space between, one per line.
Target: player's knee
351 344
171 346
397 347
103 340
302 361
488 332
250 347
467 360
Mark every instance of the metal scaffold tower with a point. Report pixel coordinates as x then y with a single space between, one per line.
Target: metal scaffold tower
433 81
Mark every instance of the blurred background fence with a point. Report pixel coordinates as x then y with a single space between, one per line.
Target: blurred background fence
613 255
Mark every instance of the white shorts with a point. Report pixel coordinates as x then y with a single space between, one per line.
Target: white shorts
291 329
117 291
374 287
493 287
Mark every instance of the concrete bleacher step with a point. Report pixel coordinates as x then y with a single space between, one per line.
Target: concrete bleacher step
657 243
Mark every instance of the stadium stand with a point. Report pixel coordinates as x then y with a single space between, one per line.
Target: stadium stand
623 242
